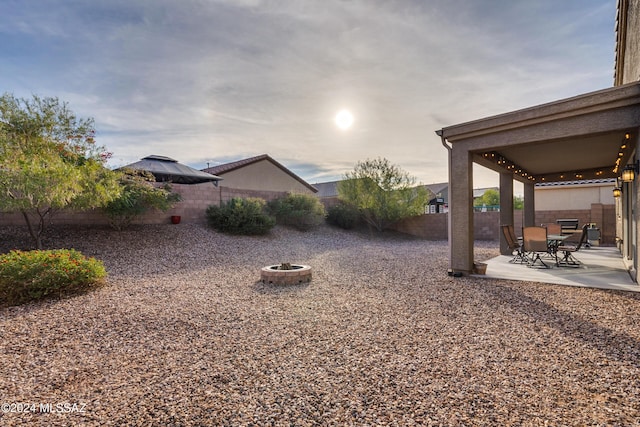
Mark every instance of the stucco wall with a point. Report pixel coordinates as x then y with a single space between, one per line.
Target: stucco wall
563 197
263 176
631 71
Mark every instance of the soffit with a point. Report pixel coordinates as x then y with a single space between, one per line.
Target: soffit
577 138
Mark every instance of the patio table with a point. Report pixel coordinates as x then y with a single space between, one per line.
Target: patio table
553 241
557 238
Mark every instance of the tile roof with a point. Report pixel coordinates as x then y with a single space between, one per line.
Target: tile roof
573 183
327 189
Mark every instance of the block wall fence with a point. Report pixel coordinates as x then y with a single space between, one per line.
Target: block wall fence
487 224
196 199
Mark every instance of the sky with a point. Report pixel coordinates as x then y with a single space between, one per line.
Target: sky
212 81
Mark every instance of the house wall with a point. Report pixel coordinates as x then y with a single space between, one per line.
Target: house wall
574 197
631 69
263 176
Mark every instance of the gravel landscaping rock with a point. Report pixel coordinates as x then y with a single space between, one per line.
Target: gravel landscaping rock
185 334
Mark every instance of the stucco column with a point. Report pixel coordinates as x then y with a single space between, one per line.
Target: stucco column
506 208
461 210
529 219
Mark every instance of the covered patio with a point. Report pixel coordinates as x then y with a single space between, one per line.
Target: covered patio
589 136
601 268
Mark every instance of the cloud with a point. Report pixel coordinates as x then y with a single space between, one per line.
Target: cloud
201 80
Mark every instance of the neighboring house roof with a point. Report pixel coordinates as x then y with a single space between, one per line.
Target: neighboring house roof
589 182
479 192
228 167
166 169
327 189
330 188
438 188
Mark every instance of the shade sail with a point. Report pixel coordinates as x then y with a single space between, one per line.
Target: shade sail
166 169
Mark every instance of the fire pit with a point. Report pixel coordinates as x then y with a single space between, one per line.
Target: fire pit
285 274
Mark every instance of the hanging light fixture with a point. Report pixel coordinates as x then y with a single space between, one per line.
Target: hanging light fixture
617 192
629 172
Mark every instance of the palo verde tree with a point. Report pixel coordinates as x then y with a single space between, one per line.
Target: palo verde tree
49 161
382 192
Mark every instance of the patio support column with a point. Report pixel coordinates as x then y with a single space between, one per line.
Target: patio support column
506 208
529 219
461 209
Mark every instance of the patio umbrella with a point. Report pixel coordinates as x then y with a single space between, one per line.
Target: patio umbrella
166 169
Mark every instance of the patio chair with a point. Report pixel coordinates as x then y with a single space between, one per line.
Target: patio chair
535 244
520 257
568 250
554 229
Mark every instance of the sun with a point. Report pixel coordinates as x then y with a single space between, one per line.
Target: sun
343 119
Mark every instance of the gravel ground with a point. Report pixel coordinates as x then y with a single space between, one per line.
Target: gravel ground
184 334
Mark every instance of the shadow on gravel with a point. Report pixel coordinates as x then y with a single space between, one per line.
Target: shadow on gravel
618 346
273 289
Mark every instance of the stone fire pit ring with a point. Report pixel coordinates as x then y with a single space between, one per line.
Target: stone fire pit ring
273 274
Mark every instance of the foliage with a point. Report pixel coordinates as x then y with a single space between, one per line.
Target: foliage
138 197
343 215
32 275
241 216
518 203
490 197
49 161
300 211
382 192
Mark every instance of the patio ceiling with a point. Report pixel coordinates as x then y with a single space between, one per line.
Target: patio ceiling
585 157
586 137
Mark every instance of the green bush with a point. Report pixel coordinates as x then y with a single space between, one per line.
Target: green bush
138 197
240 216
300 211
32 275
343 215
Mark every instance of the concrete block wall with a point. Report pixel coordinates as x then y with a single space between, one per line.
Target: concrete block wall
435 226
195 201
604 216
487 224
430 227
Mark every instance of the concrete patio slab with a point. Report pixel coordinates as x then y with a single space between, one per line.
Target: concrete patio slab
601 268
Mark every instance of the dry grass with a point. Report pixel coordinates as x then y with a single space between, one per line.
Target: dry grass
184 334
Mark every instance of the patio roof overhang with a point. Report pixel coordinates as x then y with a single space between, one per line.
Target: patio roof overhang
584 137
589 136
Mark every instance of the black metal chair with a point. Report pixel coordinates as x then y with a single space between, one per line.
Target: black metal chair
568 250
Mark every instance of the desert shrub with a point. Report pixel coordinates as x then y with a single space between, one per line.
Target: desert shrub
300 211
138 197
32 275
343 215
382 192
240 216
